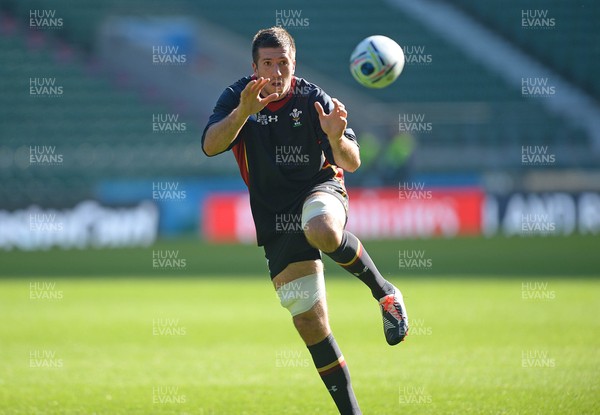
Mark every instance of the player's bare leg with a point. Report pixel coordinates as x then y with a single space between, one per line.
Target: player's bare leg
313 327
325 231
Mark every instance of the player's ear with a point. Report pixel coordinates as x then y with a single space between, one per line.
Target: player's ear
255 69
293 66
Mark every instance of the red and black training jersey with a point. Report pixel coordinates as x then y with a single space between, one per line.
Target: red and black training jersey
282 152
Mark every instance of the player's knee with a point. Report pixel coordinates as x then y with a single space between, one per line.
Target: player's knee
313 325
306 321
302 294
323 234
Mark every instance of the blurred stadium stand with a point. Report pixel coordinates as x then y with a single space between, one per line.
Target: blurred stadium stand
571 45
101 129
103 123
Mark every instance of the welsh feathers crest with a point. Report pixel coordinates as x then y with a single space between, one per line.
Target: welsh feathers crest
295 114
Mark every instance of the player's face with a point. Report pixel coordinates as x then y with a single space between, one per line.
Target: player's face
278 64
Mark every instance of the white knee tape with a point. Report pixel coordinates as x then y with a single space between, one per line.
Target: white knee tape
322 204
302 294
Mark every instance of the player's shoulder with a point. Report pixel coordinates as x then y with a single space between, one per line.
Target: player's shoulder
238 86
308 89
230 97
311 91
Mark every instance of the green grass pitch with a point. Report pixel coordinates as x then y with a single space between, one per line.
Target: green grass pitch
174 345
498 326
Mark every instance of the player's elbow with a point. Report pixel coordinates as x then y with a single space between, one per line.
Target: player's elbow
208 150
353 165
209 146
353 160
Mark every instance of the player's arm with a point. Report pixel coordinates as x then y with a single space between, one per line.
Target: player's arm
345 151
221 134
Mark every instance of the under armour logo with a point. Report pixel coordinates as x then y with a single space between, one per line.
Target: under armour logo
358 274
264 119
333 389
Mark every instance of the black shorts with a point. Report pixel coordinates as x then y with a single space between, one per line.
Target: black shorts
289 244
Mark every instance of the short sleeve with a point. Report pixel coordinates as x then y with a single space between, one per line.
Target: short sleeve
226 103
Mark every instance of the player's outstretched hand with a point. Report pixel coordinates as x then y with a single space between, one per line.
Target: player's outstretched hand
333 124
250 99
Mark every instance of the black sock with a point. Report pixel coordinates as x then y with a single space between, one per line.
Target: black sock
332 368
351 256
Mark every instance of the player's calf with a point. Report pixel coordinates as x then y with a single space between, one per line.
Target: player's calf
332 368
305 298
323 218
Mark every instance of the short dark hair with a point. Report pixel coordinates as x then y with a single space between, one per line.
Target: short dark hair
273 37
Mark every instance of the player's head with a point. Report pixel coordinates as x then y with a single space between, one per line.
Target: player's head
274 57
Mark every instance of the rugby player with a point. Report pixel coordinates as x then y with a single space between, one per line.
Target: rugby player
292 145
